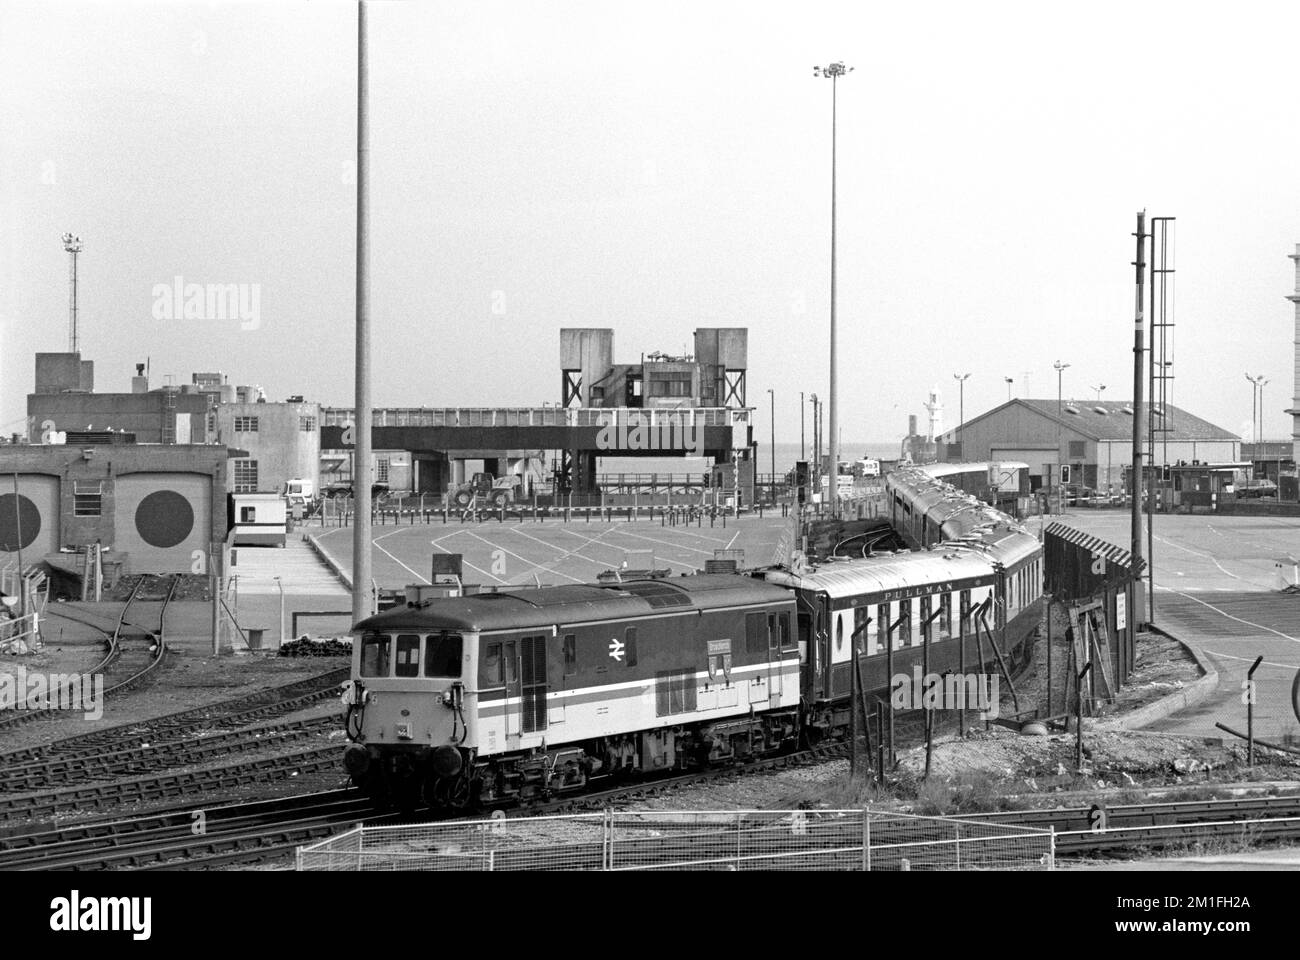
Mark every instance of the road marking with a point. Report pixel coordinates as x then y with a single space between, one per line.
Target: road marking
1224 613
439 546
675 546
564 555
535 566
1267 663
614 546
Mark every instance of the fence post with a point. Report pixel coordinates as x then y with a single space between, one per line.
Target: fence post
607 841
866 841
957 845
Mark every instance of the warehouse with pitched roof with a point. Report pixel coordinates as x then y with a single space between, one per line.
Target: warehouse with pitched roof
1094 438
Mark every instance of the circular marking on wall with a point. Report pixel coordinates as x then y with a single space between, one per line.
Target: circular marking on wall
27 518
164 518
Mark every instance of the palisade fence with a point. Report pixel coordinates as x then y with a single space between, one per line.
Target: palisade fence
731 840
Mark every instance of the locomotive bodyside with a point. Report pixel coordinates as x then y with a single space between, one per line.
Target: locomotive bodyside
558 685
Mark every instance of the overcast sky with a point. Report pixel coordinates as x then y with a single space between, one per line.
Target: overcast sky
654 169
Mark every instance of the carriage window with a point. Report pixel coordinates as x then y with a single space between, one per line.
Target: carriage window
630 651
839 632
783 622
945 618
442 655
570 654
408 655
374 655
904 631
490 674
882 625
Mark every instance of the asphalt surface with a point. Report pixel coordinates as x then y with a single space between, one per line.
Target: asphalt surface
1218 587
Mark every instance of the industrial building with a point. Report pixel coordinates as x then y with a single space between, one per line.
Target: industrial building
659 406
275 442
150 508
1094 439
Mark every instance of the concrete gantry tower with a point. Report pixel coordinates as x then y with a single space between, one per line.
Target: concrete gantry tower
1295 397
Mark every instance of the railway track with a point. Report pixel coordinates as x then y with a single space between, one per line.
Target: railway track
1096 829
178 835
174 785
230 714
153 757
133 655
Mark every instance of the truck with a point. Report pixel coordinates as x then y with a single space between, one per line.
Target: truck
489 490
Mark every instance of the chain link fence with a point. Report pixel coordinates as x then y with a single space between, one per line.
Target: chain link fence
695 840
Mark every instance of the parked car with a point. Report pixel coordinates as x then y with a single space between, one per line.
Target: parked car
1257 488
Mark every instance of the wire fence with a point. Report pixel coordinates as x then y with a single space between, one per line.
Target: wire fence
726 841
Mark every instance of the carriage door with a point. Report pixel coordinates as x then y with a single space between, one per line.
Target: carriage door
510 677
532 675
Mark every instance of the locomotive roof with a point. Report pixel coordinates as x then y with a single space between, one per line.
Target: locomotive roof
575 603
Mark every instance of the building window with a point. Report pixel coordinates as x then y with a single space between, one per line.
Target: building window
381 470
87 498
1076 449
248 514
307 424
245 476
245 424
669 384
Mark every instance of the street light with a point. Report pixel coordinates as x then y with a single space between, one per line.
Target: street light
1256 396
961 409
1099 388
772 397
1010 381
802 453
834 71
1060 368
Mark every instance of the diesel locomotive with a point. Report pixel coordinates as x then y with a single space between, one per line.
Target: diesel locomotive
533 692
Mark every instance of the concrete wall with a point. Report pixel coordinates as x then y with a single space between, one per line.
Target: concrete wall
282 448
589 350
143 414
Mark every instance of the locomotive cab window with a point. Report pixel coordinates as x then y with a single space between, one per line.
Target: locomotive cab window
374 655
490 673
442 655
408 655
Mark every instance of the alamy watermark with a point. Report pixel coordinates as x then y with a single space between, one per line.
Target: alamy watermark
952 691
179 300
33 690
657 430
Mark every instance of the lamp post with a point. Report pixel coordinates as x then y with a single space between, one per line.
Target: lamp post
834 71
961 409
1099 388
1010 381
1060 368
803 455
772 396
1256 388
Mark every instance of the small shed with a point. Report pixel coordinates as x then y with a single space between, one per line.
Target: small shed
259 519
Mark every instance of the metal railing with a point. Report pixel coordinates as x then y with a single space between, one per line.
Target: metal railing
731 840
542 416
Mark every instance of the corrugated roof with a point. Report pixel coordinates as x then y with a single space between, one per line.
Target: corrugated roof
1115 424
